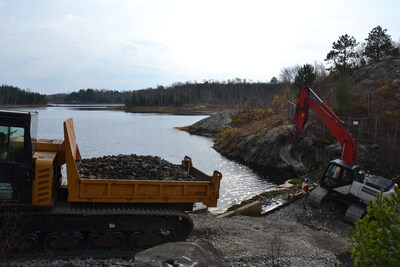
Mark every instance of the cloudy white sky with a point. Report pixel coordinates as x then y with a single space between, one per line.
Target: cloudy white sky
54 46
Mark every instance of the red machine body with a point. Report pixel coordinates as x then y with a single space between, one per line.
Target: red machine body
308 98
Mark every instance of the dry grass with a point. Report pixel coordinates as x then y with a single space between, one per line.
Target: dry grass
246 123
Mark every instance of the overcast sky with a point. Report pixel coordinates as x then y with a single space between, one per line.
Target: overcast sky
66 45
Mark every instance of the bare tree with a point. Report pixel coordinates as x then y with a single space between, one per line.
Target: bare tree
288 74
320 71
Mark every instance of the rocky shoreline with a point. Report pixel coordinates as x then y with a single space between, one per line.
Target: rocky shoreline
274 152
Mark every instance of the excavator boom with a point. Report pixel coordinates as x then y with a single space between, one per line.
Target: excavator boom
335 125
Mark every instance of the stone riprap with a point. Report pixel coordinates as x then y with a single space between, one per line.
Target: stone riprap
131 167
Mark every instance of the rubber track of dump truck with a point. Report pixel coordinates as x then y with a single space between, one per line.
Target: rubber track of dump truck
89 218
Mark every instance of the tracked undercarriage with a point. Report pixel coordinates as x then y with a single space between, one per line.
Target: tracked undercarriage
95 230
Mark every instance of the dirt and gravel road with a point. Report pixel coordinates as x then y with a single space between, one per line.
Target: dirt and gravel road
287 237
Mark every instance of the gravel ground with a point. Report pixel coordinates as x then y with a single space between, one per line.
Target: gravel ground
288 237
131 167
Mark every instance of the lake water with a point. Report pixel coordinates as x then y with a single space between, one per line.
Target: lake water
102 132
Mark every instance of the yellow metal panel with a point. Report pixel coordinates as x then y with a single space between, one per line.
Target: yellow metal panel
52 145
42 185
148 189
94 190
197 190
173 190
131 191
122 190
71 155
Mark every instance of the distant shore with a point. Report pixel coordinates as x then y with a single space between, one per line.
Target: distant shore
175 110
186 110
20 106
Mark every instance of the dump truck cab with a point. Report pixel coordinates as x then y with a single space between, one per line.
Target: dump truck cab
17 144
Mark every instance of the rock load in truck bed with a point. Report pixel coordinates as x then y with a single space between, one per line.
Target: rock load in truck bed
131 167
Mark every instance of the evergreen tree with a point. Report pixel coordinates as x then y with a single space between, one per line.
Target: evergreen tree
343 54
132 101
379 45
342 97
377 235
305 76
274 80
11 95
233 93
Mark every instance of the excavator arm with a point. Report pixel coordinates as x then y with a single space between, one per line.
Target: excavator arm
308 98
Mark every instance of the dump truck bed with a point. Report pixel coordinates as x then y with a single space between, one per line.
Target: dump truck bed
137 191
204 189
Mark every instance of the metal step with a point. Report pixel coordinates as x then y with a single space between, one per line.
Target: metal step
316 196
354 213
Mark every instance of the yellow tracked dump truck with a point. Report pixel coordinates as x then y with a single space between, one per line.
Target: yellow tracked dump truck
93 217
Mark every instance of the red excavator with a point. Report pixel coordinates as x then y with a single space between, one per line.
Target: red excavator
341 180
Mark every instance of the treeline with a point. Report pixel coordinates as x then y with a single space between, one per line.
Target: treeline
230 93
10 95
347 53
94 96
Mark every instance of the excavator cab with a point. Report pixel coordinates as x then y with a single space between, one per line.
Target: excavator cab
338 173
16 148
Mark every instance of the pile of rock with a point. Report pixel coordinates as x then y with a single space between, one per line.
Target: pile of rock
131 167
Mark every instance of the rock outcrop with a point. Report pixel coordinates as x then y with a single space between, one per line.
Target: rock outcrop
274 152
213 124
387 71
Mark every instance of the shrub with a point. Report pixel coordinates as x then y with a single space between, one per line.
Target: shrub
377 235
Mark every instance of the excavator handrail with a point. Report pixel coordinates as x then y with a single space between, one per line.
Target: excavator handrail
308 98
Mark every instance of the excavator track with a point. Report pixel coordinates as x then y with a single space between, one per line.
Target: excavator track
98 230
354 213
317 196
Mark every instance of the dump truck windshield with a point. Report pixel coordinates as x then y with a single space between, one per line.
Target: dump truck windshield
11 144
